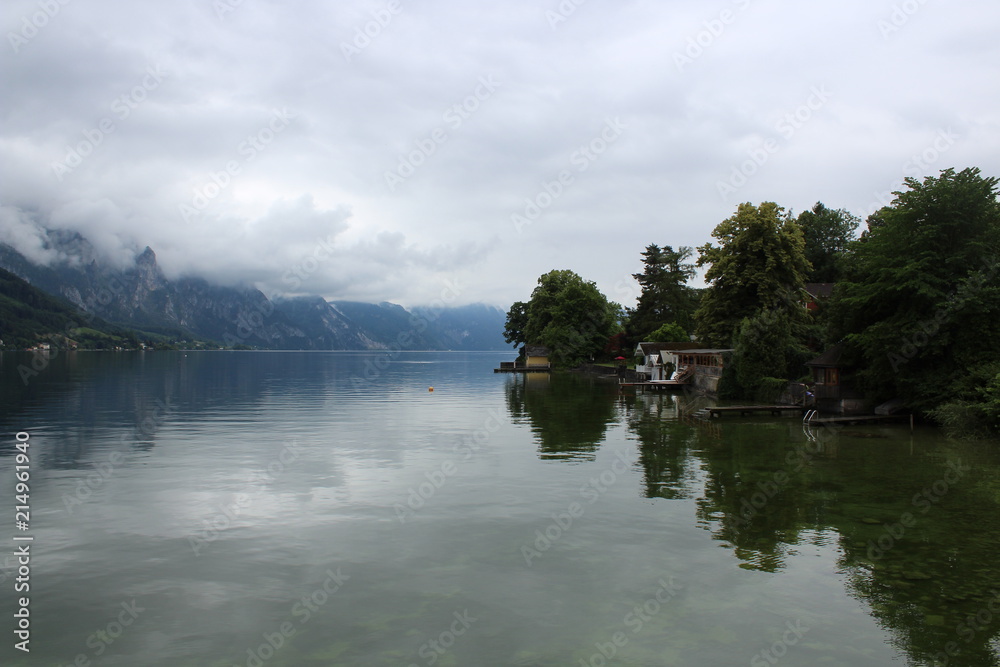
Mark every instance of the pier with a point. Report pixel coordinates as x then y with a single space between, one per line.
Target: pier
514 367
861 419
654 384
775 410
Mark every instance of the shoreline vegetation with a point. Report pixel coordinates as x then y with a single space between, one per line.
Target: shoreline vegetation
910 305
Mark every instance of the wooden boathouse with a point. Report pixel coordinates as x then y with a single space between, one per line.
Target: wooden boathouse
532 359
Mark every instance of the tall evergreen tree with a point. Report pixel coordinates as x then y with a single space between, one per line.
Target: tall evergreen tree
665 296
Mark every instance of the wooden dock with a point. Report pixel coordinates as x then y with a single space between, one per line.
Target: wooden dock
655 384
859 419
523 369
775 410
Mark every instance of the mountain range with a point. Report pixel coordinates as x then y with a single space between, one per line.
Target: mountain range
142 298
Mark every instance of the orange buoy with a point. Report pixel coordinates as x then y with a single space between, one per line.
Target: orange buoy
430 388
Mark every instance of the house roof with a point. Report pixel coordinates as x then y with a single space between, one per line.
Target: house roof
830 358
704 351
656 348
820 290
535 351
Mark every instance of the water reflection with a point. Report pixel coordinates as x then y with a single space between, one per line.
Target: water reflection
912 518
905 524
95 402
666 437
569 413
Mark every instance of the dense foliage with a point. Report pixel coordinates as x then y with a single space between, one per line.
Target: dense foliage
768 351
758 264
916 303
828 234
921 304
669 333
567 314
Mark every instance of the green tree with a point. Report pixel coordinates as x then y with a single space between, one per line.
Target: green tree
665 295
567 314
760 263
767 353
669 333
973 407
920 307
828 234
517 320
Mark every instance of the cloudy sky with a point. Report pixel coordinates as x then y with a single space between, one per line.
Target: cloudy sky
395 150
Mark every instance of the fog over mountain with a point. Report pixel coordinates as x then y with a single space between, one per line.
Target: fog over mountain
382 150
139 295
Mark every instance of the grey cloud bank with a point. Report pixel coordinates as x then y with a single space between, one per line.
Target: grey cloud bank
407 135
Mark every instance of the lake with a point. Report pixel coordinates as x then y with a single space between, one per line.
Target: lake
314 509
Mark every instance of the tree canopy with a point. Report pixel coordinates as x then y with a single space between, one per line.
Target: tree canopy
920 306
665 295
567 314
828 234
759 263
669 333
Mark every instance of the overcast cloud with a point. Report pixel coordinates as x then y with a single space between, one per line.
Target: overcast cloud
381 150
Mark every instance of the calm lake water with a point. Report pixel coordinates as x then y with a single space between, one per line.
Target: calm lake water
317 509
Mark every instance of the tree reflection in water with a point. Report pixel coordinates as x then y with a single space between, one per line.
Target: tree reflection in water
909 517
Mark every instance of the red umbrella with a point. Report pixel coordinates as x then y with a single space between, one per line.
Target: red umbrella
619 358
